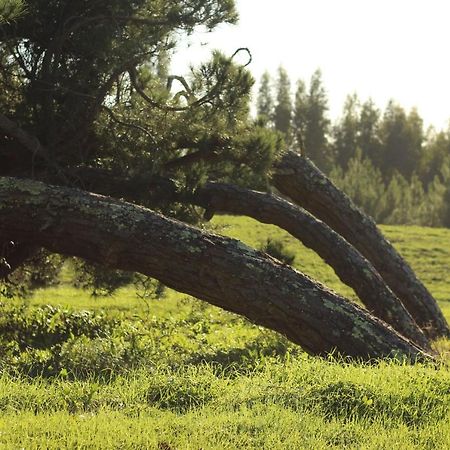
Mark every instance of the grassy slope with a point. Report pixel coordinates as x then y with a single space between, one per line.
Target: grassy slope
214 381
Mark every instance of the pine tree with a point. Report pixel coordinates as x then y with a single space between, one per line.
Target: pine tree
283 107
435 152
311 121
264 102
300 119
402 137
369 132
362 182
345 132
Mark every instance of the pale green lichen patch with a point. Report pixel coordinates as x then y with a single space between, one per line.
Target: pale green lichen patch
187 234
241 247
333 306
191 249
189 239
363 329
28 186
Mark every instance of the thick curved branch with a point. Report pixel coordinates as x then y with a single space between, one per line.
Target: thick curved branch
299 179
219 270
145 188
350 266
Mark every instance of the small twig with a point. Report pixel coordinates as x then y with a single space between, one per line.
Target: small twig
128 124
188 94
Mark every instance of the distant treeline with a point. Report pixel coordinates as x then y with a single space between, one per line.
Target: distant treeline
385 161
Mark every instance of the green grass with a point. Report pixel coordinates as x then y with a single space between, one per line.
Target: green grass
176 373
299 403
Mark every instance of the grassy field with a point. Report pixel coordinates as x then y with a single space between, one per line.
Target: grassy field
175 373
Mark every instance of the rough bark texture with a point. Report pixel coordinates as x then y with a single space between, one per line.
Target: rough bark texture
299 179
219 270
350 266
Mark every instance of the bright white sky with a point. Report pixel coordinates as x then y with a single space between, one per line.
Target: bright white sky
377 48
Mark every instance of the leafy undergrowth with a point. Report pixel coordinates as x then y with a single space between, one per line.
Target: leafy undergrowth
176 373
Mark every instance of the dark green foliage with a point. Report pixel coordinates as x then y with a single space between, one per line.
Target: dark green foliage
50 341
398 201
300 119
345 133
38 341
11 10
264 102
388 153
435 156
402 137
361 181
90 81
276 248
311 124
394 142
40 271
368 137
101 282
283 106
385 163
45 327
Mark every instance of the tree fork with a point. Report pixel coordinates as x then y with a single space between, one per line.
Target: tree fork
299 179
350 266
219 270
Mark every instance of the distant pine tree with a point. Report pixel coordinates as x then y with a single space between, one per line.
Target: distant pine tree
311 123
264 102
402 138
369 132
283 107
345 132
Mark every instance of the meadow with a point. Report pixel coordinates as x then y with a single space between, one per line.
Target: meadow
172 372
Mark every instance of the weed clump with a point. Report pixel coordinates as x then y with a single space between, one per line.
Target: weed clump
276 249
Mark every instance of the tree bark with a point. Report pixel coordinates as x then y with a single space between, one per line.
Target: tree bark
350 266
299 179
219 270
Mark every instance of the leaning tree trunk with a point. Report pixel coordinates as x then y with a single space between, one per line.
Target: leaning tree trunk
350 266
219 270
300 180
